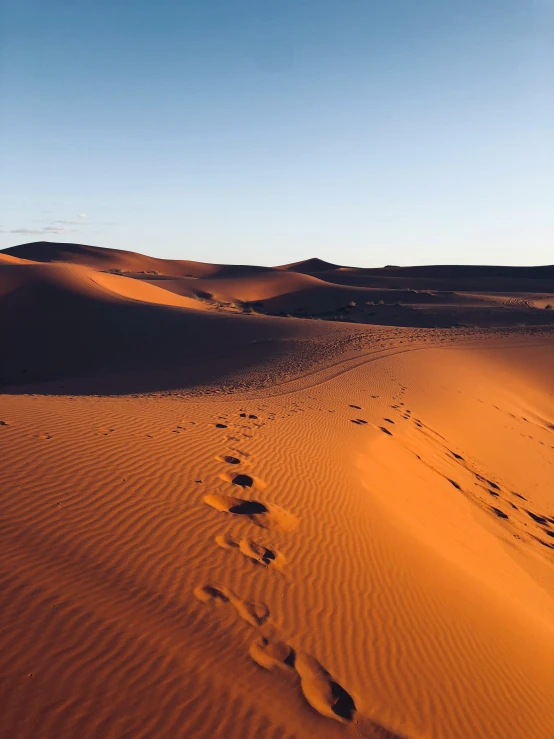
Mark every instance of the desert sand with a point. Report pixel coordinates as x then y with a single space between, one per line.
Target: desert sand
300 501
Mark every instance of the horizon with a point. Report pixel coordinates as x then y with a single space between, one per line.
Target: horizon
367 135
275 265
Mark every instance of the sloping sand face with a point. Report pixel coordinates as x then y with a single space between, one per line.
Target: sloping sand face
217 524
365 550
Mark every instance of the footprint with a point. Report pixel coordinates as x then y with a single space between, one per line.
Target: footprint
251 549
254 613
269 654
359 421
538 519
357 407
385 431
264 515
242 480
388 420
229 459
488 482
207 593
320 690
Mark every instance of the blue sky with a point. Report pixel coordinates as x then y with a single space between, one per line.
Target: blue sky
366 132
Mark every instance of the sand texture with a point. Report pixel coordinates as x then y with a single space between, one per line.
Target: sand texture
224 523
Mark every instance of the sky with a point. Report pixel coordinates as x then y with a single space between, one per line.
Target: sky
363 132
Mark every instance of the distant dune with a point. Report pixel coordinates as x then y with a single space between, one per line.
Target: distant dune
304 501
310 266
98 258
430 296
75 311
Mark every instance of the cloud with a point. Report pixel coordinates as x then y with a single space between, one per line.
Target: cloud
60 226
45 230
80 216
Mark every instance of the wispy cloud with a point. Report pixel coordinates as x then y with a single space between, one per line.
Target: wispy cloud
59 226
45 230
81 218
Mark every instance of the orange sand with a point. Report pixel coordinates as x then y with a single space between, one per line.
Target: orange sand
226 525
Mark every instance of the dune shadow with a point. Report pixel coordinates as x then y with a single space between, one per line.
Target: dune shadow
74 345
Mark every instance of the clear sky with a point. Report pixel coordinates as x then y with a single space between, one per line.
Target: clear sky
365 132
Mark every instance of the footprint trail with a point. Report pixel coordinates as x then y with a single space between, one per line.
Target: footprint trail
253 550
252 612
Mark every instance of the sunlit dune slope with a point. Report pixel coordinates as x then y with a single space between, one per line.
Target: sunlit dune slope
271 287
361 551
21 282
99 258
9 259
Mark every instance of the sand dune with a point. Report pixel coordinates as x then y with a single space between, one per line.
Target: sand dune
99 258
435 296
255 287
322 295
60 321
19 279
9 259
310 266
217 524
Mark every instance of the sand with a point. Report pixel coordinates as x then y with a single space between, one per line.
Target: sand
218 524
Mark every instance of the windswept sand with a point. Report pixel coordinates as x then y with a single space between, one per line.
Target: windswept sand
268 527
